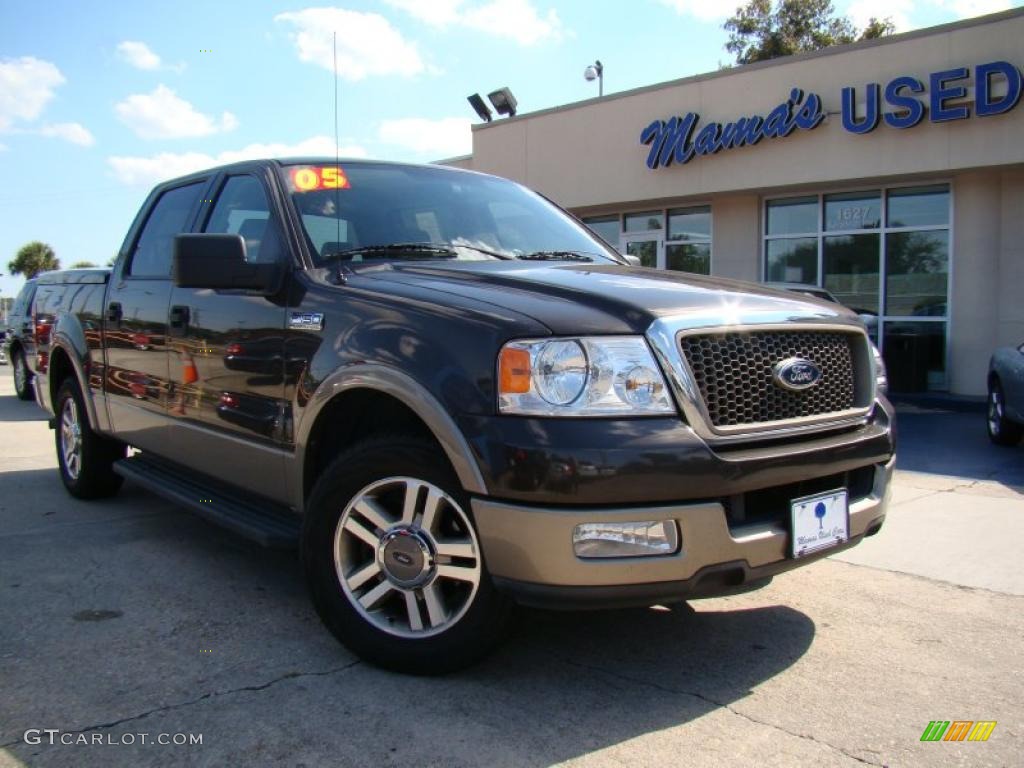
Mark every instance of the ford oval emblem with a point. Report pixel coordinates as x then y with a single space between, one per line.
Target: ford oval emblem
796 374
402 558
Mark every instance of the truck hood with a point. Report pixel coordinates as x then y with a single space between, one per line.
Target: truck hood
599 299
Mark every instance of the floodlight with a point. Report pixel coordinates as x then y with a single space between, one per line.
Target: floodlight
504 102
481 108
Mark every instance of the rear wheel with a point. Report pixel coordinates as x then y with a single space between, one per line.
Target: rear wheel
22 376
1001 430
85 459
393 562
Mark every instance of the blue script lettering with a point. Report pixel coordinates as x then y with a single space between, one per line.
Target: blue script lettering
671 141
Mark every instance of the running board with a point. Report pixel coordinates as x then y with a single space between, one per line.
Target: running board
266 523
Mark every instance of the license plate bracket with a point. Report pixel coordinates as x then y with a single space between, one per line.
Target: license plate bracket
820 521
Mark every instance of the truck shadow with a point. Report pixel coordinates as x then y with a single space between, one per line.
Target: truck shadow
13 409
563 685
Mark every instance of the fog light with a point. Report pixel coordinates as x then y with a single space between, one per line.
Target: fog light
654 537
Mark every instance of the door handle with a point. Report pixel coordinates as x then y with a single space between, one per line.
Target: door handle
114 313
179 320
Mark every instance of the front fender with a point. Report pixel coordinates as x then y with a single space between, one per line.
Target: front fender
410 392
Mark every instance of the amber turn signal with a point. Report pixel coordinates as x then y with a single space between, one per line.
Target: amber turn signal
514 371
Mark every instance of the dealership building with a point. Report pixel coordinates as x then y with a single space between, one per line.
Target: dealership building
890 172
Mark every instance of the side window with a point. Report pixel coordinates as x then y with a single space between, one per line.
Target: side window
169 217
242 209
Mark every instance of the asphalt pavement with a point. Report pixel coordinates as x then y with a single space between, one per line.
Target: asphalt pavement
130 621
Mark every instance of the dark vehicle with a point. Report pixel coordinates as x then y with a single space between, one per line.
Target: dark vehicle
453 398
1006 395
20 340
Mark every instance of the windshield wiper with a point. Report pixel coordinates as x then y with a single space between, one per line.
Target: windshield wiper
391 250
555 256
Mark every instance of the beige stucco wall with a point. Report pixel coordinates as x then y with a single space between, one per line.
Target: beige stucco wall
588 157
591 154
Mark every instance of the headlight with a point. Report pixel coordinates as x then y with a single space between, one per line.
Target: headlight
881 375
593 376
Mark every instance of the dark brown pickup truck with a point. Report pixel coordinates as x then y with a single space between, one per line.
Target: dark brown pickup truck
453 397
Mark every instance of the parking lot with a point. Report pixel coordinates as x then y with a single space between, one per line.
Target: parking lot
131 617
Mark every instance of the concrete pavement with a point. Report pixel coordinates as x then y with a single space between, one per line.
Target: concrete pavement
131 617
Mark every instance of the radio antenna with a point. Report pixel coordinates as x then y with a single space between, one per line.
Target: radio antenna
337 146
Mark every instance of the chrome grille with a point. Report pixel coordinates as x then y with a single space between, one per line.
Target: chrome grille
734 374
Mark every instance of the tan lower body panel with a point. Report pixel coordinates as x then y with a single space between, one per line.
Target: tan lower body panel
534 544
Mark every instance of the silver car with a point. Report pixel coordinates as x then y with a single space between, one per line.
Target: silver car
1006 395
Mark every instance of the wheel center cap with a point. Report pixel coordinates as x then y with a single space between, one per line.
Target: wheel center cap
404 556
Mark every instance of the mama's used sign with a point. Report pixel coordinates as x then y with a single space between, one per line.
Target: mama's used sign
680 139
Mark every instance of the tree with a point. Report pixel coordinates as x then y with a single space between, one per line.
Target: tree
762 30
83 265
33 258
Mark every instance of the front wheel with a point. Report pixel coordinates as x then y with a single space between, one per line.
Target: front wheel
393 562
1001 430
85 459
22 376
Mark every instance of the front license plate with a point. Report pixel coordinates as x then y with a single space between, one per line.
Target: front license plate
819 522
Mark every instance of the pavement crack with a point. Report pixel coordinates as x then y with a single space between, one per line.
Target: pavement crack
199 699
722 704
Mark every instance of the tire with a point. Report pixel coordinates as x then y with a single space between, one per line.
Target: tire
402 585
22 376
84 458
1001 430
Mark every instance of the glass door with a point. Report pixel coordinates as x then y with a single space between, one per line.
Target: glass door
649 248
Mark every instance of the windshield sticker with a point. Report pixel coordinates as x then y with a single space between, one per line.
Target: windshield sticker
308 178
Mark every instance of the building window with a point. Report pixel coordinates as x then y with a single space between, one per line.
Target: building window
645 222
885 254
683 245
688 243
608 228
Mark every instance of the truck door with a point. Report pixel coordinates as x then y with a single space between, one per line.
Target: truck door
135 320
227 349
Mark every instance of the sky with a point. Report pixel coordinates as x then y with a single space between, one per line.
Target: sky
101 100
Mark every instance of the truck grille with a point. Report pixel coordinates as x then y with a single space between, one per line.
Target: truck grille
734 372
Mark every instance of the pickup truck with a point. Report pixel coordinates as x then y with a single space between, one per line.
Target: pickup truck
452 397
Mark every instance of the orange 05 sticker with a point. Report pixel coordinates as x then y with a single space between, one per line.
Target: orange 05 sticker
308 178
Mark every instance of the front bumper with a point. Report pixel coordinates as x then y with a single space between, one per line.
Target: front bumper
529 551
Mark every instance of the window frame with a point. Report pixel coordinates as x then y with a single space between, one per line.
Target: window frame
216 189
662 235
882 230
155 197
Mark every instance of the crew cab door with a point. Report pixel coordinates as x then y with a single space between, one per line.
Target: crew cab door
136 374
226 349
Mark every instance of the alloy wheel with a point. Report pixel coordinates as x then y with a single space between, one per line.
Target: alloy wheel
71 438
406 557
995 411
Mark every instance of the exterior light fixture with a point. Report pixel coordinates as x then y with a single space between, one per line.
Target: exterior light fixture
481 108
593 72
504 102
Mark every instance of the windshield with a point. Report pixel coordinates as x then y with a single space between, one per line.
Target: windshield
356 208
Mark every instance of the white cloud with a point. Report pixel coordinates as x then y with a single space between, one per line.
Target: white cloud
162 114
26 85
76 133
437 13
862 11
701 9
516 20
367 43
446 137
139 55
166 165
967 8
